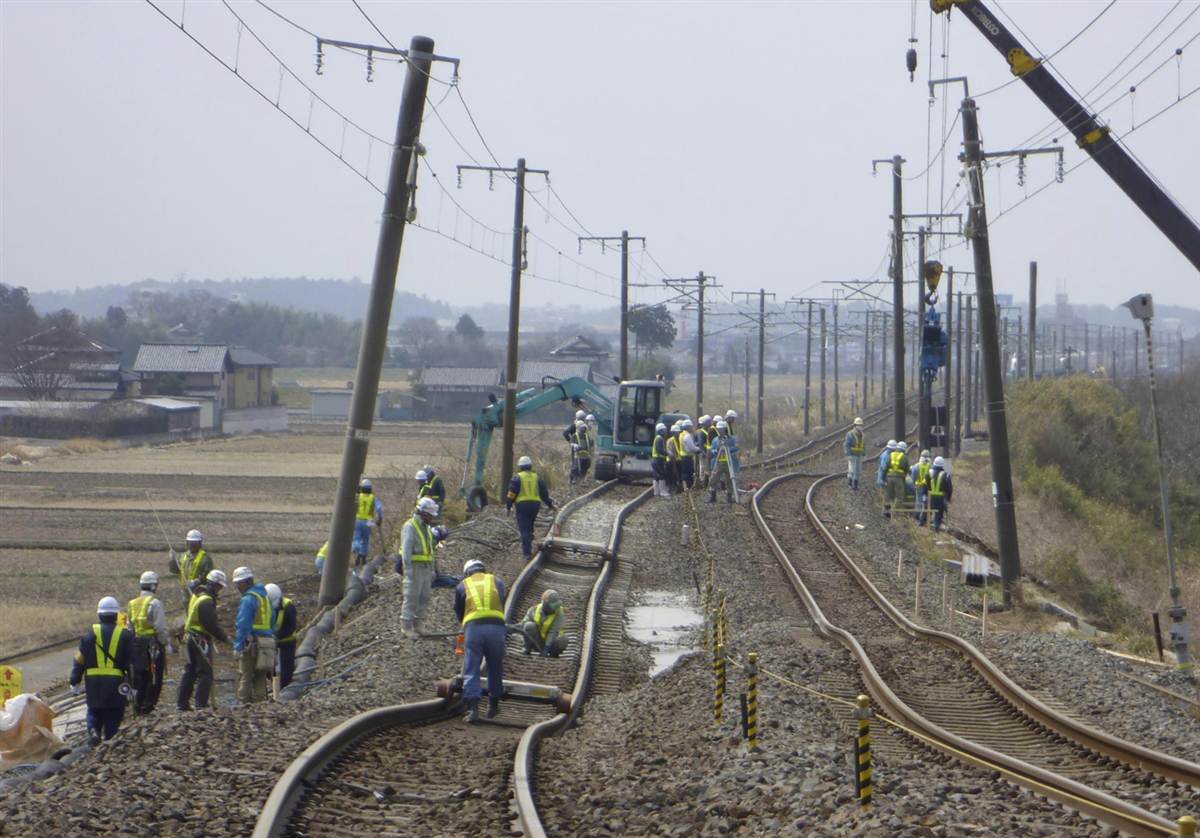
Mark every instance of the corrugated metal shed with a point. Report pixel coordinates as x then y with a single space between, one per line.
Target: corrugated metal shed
181 357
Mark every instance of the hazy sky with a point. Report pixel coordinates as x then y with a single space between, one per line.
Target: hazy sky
737 137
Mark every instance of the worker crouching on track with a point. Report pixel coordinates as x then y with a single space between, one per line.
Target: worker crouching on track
193 566
528 492
201 631
416 563
284 625
941 489
148 658
479 605
103 659
855 447
542 627
897 471
369 515
255 639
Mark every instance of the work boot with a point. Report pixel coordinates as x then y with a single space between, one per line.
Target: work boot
406 629
493 707
472 716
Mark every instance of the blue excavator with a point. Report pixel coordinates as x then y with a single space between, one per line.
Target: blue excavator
625 428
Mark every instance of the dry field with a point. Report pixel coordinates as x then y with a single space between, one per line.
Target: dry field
77 526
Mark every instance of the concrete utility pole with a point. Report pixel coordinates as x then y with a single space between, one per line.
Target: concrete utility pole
951 345
762 347
1032 317
824 338
808 369
396 204
1002 488
866 361
971 369
700 281
958 380
897 275
514 307
837 384
624 239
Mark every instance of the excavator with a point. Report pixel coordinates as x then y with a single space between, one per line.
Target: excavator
625 429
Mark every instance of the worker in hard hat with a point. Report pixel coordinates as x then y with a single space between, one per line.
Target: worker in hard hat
658 461
673 469
581 451
433 487
701 437
894 487
416 562
918 475
203 632
255 637
368 516
192 566
854 447
722 451
689 453
284 624
148 656
479 606
103 660
885 459
322 554
569 431
528 492
941 490
543 625
731 419
593 425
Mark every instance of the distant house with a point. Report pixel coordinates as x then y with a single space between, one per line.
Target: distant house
60 363
334 403
456 392
233 377
579 348
532 373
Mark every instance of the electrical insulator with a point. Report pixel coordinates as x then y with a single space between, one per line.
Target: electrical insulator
320 59
370 66
910 60
1021 170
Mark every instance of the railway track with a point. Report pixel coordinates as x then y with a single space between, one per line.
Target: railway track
951 698
405 769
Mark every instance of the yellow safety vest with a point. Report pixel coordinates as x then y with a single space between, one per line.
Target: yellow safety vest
483 598
658 451
935 485
262 619
544 625
723 456
366 506
680 447
189 567
278 622
584 441
858 445
324 551
529 486
193 615
139 615
672 448
709 436
922 474
426 539
106 662
895 467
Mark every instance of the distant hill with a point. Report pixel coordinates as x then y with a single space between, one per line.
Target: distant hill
340 297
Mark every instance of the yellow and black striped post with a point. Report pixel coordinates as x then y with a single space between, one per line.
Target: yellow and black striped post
752 702
863 784
1187 825
723 619
719 691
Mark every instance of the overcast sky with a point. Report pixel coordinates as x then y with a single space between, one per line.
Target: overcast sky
737 137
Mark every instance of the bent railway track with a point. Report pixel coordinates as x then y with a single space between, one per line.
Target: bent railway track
954 699
399 770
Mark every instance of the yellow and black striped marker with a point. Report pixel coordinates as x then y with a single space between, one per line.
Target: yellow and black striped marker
752 702
719 692
863 785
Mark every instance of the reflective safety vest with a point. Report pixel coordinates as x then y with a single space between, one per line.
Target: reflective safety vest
106 662
723 456
262 616
193 615
483 598
896 465
922 474
139 616
584 441
672 448
529 486
545 621
324 551
658 451
858 444
424 491
189 566
277 624
935 484
679 446
366 506
425 556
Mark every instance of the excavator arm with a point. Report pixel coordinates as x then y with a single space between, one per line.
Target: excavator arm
1094 138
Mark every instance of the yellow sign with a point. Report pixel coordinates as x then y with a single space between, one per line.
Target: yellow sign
10 683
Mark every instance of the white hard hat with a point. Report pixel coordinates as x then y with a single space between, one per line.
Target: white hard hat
430 470
687 424
427 506
422 475
891 445
675 428
660 427
473 566
590 418
722 425
858 421
579 423
705 419
194 535
525 462
364 484
902 445
217 577
579 414
274 594
108 606
938 461
925 453
148 578
731 414
242 573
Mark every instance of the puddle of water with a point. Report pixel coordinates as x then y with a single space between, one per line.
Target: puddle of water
668 622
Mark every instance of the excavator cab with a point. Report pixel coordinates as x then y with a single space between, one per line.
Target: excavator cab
639 404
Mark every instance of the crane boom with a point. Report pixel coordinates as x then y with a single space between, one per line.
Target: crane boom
1094 138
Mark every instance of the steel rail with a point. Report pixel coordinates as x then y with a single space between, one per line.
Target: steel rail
1123 815
807 448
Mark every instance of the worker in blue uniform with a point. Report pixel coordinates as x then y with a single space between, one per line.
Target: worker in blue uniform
284 624
528 492
479 606
103 660
368 515
941 491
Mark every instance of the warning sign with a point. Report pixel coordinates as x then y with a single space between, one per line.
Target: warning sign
10 683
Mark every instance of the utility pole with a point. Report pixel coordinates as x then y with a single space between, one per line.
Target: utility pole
958 379
924 393
824 338
837 384
514 308
762 347
951 345
624 239
700 281
883 362
866 361
746 378
1002 488
397 203
897 274
1032 317
971 369
808 369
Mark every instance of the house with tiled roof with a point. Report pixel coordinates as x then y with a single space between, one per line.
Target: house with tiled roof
233 377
